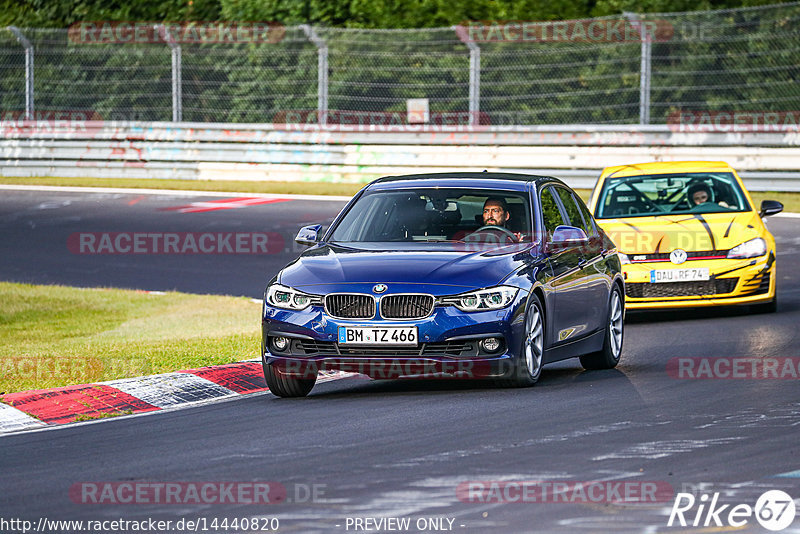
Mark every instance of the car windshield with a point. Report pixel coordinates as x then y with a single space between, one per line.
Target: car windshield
436 215
660 194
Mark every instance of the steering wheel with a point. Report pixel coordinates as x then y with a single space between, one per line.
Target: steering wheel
500 229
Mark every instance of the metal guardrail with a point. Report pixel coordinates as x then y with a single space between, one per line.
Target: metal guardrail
766 160
404 134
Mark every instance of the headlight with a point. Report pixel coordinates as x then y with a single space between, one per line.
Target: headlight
623 258
749 249
290 299
492 298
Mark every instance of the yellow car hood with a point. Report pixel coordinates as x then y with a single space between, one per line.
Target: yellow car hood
690 232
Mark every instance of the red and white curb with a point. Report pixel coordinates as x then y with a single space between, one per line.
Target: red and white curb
30 410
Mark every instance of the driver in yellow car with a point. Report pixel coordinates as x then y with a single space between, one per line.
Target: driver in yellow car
495 213
699 193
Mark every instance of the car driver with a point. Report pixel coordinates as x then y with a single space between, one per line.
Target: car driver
495 213
699 193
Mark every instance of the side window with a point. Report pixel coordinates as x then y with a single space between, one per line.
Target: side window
551 215
588 224
571 208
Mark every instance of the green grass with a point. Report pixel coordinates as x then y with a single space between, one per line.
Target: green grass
790 201
240 186
101 415
56 336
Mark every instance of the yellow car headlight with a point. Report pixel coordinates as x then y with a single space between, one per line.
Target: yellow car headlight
749 249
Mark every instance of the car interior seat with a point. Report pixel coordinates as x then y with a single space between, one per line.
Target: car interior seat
517 222
411 217
621 203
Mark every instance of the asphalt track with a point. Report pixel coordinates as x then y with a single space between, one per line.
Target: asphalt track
381 449
36 227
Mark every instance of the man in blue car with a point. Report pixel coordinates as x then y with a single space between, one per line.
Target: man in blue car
496 213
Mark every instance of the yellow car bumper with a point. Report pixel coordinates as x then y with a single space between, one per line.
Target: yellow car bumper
732 282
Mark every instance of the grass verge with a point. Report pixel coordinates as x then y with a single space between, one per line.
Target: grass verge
790 201
240 186
57 336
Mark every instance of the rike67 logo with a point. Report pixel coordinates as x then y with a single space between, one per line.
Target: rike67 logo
774 510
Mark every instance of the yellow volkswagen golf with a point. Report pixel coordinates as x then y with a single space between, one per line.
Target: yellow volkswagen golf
688 235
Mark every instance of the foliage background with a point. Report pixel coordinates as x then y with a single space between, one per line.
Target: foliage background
743 59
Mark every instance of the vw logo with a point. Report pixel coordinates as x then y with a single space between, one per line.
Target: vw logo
677 256
379 288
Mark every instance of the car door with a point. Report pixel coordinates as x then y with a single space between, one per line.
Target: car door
596 289
569 315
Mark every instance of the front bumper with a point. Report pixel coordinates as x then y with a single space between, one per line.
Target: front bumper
733 282
449 343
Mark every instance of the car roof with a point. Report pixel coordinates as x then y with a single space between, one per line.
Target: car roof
666 167
477 180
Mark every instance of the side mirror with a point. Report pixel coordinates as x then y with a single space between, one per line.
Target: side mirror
308 235
770 207
567 236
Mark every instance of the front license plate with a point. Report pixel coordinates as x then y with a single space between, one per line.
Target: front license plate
378 335
679 275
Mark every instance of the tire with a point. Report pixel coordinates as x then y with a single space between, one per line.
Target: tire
528 366
767 307
608 356
283 384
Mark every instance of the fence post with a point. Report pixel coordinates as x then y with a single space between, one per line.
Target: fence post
26 44
177 74
322 72
644 67
474 82
474 73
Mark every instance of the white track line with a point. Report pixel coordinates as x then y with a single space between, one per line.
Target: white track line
13 420
168 192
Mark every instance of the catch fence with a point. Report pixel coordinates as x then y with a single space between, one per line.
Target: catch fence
628 69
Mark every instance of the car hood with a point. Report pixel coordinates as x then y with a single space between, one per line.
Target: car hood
441 268
690 232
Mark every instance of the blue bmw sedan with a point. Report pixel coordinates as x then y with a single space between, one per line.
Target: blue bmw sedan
455 275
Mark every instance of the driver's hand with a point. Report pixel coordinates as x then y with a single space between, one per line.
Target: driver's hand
724 204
